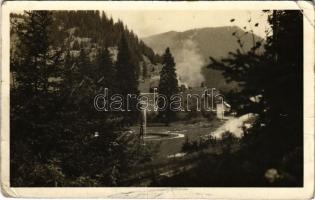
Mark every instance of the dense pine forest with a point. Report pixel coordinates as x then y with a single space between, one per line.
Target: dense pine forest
59 62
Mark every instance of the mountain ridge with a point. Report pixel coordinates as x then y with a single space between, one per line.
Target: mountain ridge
192 49
189 30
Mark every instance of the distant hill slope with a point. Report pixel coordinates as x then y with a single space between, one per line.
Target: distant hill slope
102 30
89 29
92 31
192 49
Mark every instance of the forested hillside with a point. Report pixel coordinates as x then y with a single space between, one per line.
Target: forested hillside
92 28
60 61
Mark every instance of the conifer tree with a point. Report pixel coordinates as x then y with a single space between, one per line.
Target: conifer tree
168 85
34 113
105 69
126 77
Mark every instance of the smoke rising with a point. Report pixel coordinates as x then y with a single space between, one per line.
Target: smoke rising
189 63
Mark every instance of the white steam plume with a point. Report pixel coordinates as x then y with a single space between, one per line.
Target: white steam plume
189 63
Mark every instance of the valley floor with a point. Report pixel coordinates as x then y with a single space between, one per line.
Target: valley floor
169 159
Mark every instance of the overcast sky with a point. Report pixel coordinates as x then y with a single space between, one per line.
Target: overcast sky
149 22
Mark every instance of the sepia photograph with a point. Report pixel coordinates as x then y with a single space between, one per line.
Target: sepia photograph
158 98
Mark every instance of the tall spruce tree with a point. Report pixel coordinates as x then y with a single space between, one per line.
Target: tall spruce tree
168 85
126 70
35 129
105 69
126 79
